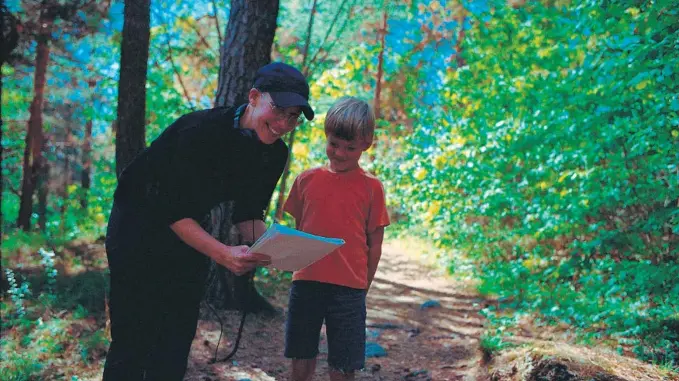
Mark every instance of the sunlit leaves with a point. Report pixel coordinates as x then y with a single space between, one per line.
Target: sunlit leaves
552 148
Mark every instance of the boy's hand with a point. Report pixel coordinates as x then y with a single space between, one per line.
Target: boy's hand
239 261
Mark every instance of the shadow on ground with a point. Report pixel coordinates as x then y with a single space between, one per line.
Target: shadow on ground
436 343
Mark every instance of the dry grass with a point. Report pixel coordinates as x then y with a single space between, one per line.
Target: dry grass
582 362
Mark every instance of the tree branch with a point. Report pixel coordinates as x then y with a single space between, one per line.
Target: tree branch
219 28
192 25
84 64
327 35
176 72
309 30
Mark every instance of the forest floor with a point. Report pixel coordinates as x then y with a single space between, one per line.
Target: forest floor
421 342
430 328
427 323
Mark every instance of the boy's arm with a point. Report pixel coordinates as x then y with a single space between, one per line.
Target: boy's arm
374 252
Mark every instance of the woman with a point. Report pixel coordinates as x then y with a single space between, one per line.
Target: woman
157 251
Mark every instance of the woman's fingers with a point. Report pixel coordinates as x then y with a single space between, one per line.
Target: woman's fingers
261 259
244 261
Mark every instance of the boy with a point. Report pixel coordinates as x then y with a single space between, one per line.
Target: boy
339 200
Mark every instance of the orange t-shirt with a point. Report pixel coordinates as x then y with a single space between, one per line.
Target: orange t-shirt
346 205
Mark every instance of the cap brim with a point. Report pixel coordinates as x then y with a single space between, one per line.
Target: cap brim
287 99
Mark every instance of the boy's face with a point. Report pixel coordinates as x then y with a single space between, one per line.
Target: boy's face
344 154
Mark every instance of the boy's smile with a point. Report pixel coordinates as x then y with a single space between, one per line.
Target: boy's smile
344 154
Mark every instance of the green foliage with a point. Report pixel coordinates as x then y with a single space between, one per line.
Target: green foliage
93 346
18 293
271 282
551 162
536 141
492 343
18 366
38 327
497 328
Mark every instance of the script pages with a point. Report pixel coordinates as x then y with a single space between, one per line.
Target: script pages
291 249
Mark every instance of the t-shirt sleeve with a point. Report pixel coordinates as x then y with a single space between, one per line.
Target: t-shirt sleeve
293 204
378 215
252 203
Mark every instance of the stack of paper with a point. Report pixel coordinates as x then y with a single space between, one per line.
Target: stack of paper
291 249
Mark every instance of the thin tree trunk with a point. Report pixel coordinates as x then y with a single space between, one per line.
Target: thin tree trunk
284 180
42 182
377 108
66 181
459 60
2 149
34 162
86 173
131 119
247 46
291 140
87 164
9 38
382 32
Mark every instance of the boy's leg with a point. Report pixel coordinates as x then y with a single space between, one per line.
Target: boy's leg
345 325
306 308
303 369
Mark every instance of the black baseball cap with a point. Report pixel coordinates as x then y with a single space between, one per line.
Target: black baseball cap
286 85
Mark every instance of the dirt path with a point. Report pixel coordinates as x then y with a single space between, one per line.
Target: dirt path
436 343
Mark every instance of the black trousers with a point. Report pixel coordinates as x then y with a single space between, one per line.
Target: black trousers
157 283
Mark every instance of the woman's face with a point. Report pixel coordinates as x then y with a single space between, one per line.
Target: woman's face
269 121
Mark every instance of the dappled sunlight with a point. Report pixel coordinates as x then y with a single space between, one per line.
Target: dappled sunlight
526 150
443 340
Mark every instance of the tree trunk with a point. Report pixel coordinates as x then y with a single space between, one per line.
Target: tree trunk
131 119
382 32
9 37
42 183
278 214
377 109
86 173
34 162
87 164
459 60
66 180
247 46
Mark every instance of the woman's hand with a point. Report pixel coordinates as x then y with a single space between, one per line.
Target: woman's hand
239 261
235 258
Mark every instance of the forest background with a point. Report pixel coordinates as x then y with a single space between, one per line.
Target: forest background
533 144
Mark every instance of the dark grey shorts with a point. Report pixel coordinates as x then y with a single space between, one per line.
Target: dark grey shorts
344 312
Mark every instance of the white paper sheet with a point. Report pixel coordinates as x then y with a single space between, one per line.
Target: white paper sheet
291 249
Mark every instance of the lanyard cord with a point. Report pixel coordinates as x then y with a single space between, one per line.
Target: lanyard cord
248 292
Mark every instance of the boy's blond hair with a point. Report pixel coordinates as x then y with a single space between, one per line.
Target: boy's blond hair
350 118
